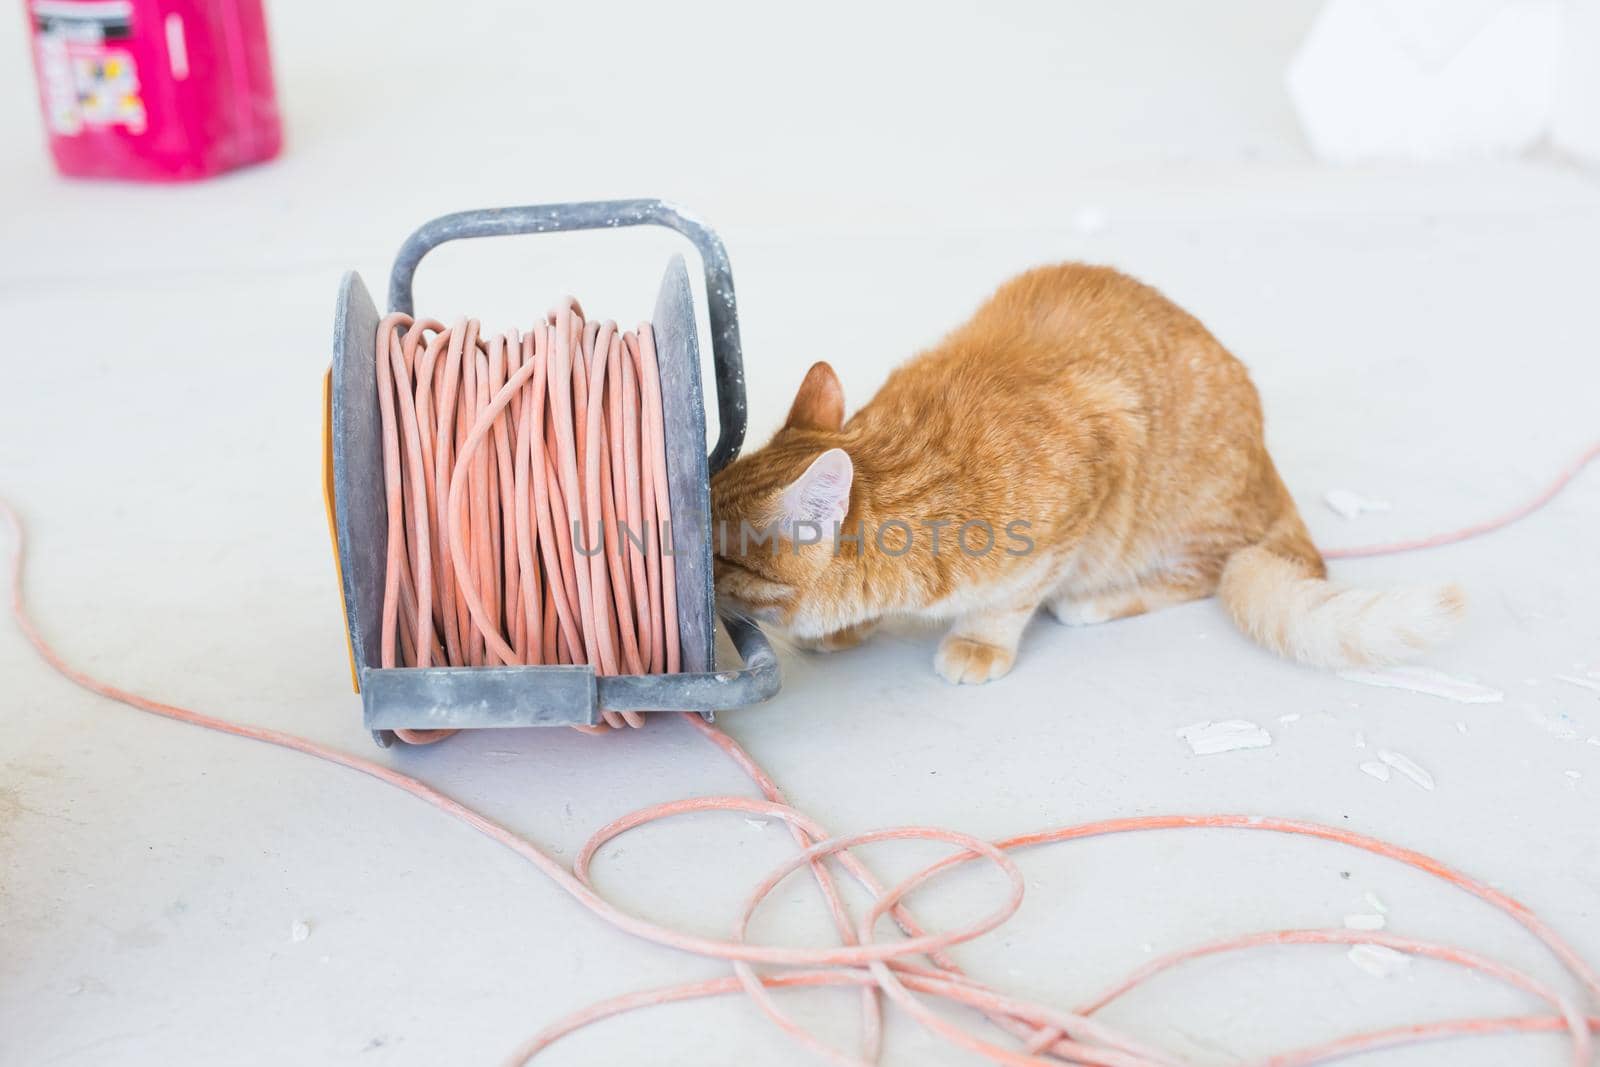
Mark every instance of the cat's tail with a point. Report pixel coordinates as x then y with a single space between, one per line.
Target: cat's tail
1277 593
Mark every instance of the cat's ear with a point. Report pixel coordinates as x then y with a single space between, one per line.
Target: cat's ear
820 497
820 403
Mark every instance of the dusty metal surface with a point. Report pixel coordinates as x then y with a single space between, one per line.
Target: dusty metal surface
360 511
683 410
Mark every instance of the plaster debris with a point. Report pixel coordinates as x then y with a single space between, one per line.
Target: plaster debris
1379 961
1365 921
1210 738
1586 683
300 930
1361 739
1574 775
1349 505
1406 766
1461 728
1380 771
1592 740
1375 902
1429 681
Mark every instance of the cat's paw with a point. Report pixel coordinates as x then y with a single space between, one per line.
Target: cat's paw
839 640
1077 612
963 661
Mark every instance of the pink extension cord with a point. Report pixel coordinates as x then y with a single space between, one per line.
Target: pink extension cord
574 411
502 560
1466 533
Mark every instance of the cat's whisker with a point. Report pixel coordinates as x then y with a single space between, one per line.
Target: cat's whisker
780 638
784 640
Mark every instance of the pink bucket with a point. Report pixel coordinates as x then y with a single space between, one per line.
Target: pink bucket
154 90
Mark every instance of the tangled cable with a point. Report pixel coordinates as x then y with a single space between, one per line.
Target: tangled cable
526 564
479 573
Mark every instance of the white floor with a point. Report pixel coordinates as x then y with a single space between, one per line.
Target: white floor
1422 335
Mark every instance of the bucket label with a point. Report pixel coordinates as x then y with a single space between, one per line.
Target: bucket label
87 76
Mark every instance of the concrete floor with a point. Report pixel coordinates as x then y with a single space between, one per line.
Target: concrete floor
1421 335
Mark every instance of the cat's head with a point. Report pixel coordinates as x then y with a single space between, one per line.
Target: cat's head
774 511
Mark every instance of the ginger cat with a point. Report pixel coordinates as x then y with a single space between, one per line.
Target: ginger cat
1107 448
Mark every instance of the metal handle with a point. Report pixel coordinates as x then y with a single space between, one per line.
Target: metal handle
726 355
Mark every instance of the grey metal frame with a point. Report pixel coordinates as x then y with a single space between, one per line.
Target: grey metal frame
478 697
726 354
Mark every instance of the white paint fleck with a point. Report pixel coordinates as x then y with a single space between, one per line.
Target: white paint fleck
1428 681
1349 504
1380 961
1584 683
1380 771
1592 740
758 824
1364 921
1361 739
1210 738
1406 766
1574 775
1461 728
1293 716
1375 902
299 930
1558 725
